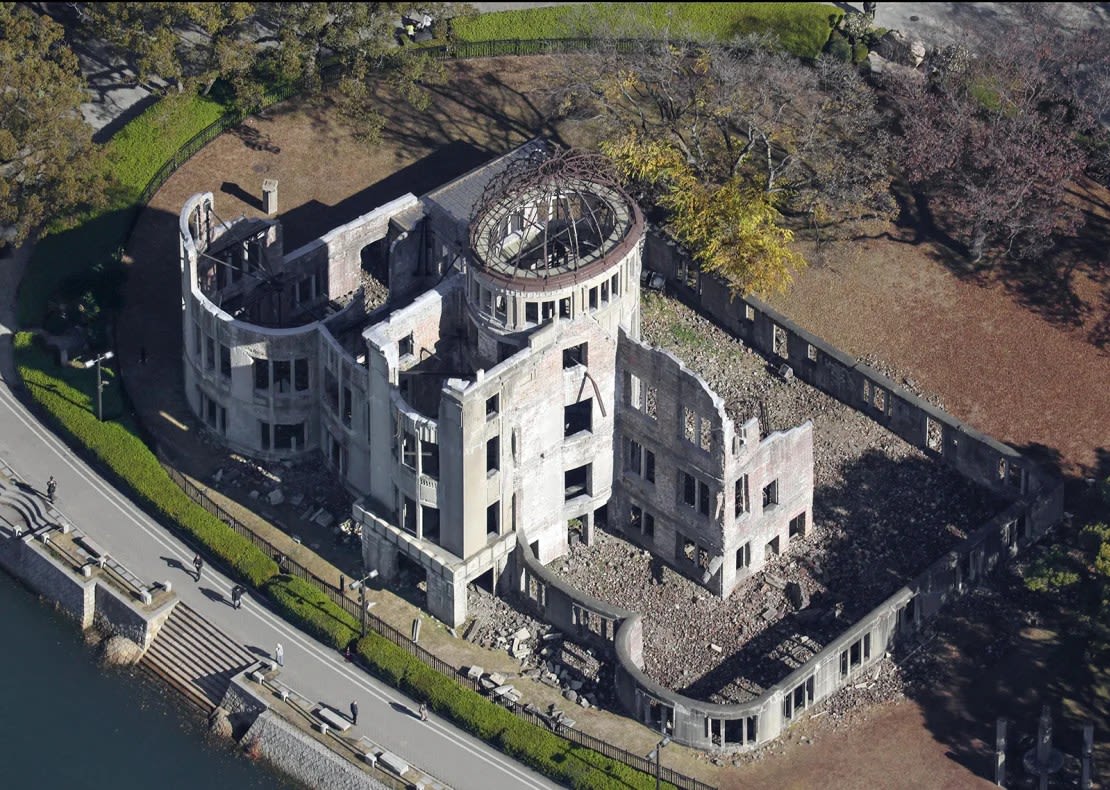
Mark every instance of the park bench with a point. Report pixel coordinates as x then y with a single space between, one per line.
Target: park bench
334 720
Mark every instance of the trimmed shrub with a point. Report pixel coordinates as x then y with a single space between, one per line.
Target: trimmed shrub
303 603
555 757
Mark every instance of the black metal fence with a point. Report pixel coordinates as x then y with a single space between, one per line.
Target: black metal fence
403 641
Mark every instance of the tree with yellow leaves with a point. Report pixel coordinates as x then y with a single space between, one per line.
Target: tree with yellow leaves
731 229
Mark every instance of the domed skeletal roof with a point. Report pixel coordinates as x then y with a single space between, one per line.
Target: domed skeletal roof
550 211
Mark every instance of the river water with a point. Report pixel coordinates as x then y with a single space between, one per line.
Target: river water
68 724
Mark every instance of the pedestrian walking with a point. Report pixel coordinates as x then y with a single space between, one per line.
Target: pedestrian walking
51 487
354 712
198 563
423 711
279 654
236 596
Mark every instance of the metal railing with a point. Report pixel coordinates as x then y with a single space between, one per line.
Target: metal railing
403 641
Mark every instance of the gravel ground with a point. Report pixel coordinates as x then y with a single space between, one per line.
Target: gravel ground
869 487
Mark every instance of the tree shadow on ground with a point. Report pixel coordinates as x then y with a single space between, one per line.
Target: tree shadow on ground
1068 284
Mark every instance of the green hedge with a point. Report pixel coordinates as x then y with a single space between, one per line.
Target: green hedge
305 604
67 393
554 756
802 28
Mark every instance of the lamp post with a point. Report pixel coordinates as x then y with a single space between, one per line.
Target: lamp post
657 755
360 585
99 383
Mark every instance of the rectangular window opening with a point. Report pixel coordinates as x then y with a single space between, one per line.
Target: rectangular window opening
578 417
283 381
744 556
262 374
532 312
741 495
798 526
300 374
225 361
576 482
493 455
493 519
575 355
493 405
771 494
429 459
405 346
408 450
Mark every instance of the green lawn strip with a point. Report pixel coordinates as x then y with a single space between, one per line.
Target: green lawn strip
64 394
305 604
71 249
803 28
536 747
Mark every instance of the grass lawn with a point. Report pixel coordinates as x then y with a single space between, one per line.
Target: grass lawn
80 253
803 28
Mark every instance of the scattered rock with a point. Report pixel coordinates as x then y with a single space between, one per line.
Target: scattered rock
121 651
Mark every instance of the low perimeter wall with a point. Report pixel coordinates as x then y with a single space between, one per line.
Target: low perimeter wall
1036 495
88 599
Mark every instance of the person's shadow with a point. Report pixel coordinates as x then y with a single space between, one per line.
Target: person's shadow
397 706
175 564
212 595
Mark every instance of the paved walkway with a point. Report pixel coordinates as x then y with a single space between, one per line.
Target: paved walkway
148 549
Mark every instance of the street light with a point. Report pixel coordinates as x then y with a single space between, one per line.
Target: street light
657 755
360 585
99 384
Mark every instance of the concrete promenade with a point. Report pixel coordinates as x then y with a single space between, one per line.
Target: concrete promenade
148 549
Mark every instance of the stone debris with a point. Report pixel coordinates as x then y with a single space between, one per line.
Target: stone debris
883 512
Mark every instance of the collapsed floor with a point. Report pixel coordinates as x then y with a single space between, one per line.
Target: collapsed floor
882 512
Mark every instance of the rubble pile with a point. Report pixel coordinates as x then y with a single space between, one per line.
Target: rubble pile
544 654
883 511
305 489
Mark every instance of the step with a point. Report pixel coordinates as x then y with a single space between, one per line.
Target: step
189 664
211 685
206 655
193 621
191 695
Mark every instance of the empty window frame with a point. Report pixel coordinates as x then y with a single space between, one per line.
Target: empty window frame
500 308
564 307
798 526
265 426
744 556
592 296
405 346
408 450
225 361
300 375
532 312
261 374
695 493
493 519
331 391
740 493
346 411
576 482
283 381
408 515
493 455
429 459
493 406
771 494
696 429
547 310
575 355
640 461
772 548
578 417
289 437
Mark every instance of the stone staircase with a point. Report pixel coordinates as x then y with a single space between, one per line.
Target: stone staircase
195 657
22 508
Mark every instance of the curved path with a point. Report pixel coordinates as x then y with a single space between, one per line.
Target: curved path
140 543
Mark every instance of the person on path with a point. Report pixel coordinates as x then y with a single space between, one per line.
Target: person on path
236 596
354 712
51 487
279 654
423 711
198 563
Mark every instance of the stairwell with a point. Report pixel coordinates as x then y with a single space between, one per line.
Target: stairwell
195 657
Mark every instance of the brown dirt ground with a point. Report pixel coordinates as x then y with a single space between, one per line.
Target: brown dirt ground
987 349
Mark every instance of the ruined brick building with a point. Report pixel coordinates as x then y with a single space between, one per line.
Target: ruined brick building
500 388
